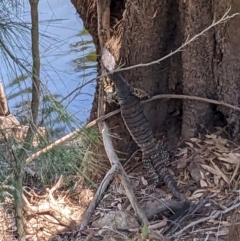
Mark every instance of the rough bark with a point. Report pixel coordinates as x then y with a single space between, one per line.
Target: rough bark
210 63
197 59
226 68
143 31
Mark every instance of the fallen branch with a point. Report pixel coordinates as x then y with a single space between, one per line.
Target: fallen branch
98 196
167 96
122 174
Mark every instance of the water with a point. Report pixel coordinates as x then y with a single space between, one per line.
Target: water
67 58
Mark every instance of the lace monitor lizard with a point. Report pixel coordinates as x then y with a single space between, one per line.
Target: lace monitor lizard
111 94
154 156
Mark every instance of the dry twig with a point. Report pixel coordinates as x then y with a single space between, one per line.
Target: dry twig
202 220
223 19
98 196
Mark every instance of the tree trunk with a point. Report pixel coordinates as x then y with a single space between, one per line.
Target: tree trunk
144 31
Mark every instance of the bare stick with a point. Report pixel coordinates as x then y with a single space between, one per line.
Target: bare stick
102 118
167 96
158 225
98 196
188 97
49 147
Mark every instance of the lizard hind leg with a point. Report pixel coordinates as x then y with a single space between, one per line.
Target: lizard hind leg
152 176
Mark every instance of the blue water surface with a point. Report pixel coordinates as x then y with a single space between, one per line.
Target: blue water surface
67 57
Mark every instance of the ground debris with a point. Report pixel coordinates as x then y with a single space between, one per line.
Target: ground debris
207 171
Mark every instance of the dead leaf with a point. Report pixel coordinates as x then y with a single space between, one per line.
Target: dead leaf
222 232
217 168
215 172
119 206
218 142
182 163
182 151
196 195
194 139
210 142
203 183
233 158
235 173
216 180
144 181
194 170
189 144
155 14
212 136
202 175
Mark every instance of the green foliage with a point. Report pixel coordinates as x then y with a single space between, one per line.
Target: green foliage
52 114
59 161
145 230
92 57
83 32
70 160
54 106
14 35
17 82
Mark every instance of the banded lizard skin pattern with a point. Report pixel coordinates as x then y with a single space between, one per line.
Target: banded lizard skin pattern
154 156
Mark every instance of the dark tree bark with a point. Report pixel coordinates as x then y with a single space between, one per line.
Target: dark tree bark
210 64
143 31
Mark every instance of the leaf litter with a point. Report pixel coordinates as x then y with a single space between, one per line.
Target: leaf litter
207 172
206 169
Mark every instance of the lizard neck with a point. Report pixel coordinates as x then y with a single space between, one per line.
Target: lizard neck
123 89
